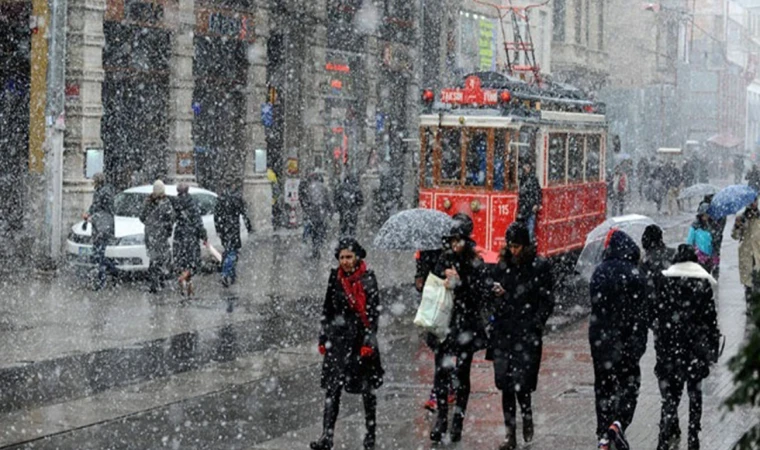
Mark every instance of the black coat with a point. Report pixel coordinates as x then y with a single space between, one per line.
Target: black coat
348 198
343 334
686 336
529 195
188 233
158 217
467 331
519 319
654 262
617 327
102 214
230 206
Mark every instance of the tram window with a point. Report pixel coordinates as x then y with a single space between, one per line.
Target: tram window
557 146
575 144
451 156
593 157
500 156
477 148
426 165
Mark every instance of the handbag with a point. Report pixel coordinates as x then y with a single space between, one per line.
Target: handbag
434 312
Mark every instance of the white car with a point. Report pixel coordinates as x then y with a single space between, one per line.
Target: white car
128 250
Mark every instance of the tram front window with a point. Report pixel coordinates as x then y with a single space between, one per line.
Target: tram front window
477 147
451 156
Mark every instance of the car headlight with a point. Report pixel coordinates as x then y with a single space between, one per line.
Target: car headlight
134 239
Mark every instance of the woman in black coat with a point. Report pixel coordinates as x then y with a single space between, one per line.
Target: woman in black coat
188 233
522 305
348 340
686 341
464 272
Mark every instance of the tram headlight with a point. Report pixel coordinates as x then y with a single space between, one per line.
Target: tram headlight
428 96
446 203
475 206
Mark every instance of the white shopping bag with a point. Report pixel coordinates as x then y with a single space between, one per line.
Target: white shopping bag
214 252
434 313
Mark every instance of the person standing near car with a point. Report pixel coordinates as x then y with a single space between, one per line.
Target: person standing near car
230 207
522 304
188 234
158 217
529 198
686 341
101 218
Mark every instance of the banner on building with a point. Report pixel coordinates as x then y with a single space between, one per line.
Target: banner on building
486 45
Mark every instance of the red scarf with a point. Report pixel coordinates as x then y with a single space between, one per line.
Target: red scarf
354 289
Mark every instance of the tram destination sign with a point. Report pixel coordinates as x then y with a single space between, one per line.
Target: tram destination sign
471 94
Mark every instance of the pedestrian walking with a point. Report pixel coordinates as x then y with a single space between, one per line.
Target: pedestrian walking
464 272
642 174
753 178
747 231
522 304
348 201
158 217
188 233
100 215
701 238
618 336
673 181
315 202
230 208
620 189
529 198
716 227
657 257
348 340
686 341
426 262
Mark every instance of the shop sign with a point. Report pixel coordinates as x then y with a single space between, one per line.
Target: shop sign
234 25
292 166
291 191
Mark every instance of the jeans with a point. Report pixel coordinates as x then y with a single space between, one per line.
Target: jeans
229 263
105 264
530 222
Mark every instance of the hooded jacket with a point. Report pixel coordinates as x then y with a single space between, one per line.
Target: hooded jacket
686 336
617 327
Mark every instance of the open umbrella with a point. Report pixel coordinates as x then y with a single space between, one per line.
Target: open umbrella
633 225
698 190
731 200
413 229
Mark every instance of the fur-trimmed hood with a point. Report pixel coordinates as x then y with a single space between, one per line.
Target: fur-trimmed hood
689 270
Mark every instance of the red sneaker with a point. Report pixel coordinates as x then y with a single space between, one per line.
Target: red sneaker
431 405
452 398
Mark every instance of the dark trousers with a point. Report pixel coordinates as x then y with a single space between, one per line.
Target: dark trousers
105 264
617 392
671 389
618 205
157 272
457 374
509 407
332 408
317 231
348 224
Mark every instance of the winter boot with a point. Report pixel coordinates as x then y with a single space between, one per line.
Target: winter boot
457 423
528 428
370 413
323 443
440 427
617 437
510 441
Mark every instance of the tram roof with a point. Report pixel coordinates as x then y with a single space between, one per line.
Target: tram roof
491 118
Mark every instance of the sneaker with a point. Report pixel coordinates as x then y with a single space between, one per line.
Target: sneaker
431 405
617 437
452 398
604 444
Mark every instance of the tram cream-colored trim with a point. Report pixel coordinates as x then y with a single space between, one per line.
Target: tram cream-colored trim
453 120
558 116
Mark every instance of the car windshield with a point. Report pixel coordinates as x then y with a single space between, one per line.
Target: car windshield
129 204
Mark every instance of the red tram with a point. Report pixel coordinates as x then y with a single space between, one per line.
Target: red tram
472 141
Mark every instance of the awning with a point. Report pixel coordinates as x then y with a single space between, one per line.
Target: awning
725 140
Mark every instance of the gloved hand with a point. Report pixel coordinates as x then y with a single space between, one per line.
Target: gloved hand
322 349
366 351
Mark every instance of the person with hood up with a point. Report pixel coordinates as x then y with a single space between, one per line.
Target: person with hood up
747 231
686 341
657 257
426 261
716 227
348 340
101 217
315 202
618 336
158 216
529 198
464 273
230 207
348 201
522 304
701 238
188 232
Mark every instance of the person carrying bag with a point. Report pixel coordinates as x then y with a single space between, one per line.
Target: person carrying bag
434 313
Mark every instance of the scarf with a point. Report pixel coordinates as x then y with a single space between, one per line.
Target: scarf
354 289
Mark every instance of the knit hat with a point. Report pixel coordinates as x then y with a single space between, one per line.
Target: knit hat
517 233
159 188
652 237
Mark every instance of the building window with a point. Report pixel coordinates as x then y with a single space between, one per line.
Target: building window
578 20
558 29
